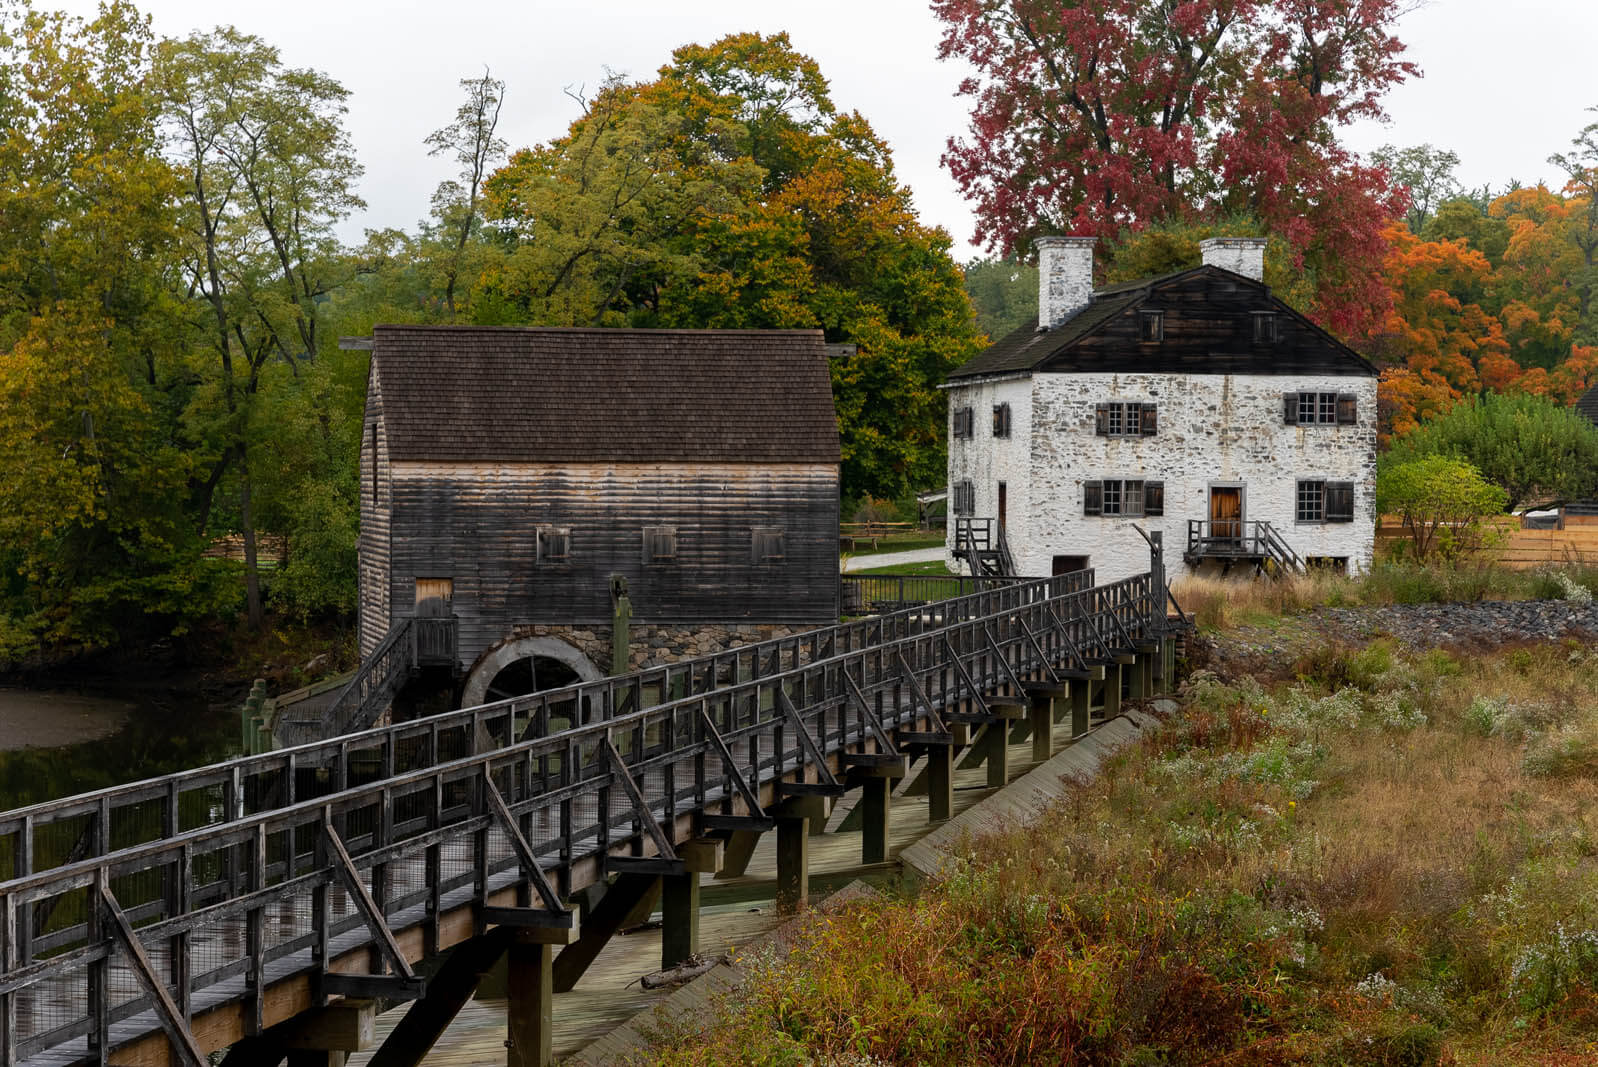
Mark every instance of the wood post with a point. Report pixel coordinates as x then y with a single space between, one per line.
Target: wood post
679 901
793 862
997 755
311 1057
627 896
1042 717
940 782
740 849
1146 671
1137 682
1081 694
874 813
529 1011
447 992
1112 690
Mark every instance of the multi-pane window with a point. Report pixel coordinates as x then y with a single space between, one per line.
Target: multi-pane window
1151 326
1320 501
963 423
1122 419
1126 497
1264 327
1317 408
1001 420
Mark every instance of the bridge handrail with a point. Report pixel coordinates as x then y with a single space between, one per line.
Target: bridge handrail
229 775
537 774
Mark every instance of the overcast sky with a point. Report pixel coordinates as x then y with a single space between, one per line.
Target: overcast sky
1505 85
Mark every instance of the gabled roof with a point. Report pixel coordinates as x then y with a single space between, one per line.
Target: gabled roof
1102 336
1588 404
559 395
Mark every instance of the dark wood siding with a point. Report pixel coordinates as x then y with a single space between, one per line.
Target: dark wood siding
376 511
478 524
1209 329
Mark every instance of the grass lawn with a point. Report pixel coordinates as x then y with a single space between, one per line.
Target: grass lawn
899 542
935 566
1377 857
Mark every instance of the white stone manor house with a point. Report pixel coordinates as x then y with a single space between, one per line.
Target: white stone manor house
1194 403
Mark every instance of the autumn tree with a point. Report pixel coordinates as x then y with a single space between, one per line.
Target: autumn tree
730 192
1089 116
1580 165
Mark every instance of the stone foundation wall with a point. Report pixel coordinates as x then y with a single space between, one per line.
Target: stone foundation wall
654 646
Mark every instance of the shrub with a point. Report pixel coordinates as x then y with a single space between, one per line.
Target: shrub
1442 502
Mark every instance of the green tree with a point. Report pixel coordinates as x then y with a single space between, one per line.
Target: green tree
730 193
1580 165
457 204
1443 502
1004 294
1426 174
268 170
1529 446
93 531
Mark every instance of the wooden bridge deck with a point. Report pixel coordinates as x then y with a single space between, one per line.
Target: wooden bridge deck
737 913
150 924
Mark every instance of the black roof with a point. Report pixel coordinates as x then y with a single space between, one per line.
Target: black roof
552 395
1588 404
1102 336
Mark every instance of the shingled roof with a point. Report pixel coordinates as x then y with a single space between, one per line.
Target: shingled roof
1588 404
558 395
1101 336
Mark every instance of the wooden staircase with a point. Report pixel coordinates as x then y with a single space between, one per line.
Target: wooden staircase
1232 542
982 544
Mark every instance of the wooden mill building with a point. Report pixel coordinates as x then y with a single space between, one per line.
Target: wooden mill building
509 474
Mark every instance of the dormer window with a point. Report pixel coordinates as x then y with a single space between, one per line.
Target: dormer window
1151 326
1265 327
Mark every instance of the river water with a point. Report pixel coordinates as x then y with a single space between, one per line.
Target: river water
57 743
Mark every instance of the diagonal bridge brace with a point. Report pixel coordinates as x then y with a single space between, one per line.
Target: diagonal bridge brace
755 817
1037 646
830 786
884 742
665 859
185 1049
1004 662
919 694
404 983
965 676
552 914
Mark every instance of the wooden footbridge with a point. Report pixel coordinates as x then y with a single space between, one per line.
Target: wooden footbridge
264 904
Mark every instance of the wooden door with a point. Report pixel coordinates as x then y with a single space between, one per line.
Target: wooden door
434 597
1226 512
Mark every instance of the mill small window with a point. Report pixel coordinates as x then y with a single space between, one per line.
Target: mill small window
1311 501
1265 327
1151 326
1001 420
1322 409
963 423
1126 497
554 544
660 544
965 498
767 544
1118 419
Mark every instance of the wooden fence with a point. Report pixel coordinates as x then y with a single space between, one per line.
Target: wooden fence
1519 548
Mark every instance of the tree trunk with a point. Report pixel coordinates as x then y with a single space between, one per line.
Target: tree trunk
252 574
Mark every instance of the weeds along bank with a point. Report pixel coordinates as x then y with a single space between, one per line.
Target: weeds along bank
1386 858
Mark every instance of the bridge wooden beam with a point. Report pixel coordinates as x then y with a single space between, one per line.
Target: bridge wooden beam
184 1048
613 911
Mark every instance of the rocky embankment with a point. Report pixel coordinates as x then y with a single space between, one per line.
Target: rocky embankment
1272 648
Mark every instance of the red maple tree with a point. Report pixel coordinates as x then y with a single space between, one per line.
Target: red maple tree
1090 116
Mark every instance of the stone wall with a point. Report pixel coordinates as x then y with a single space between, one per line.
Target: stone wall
1213 430
654 646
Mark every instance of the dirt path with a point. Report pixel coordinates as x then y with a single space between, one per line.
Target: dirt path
31 718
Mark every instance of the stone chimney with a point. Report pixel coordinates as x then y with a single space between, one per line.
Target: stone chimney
1240 255
1065 278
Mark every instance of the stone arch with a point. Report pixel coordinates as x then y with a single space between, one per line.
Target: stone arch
496 659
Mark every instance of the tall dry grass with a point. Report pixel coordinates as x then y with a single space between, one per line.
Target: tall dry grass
1380 863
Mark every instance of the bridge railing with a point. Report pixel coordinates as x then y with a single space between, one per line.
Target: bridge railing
865 593
225 907
56 832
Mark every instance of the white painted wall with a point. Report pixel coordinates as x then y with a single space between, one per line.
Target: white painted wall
1213 429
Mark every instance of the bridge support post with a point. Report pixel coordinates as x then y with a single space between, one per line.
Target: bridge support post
1138 676
529 1011
1146 670
875 796
1042 716
793 862
997 754
1167 665
1081 712
679 901
940 782
1112 690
